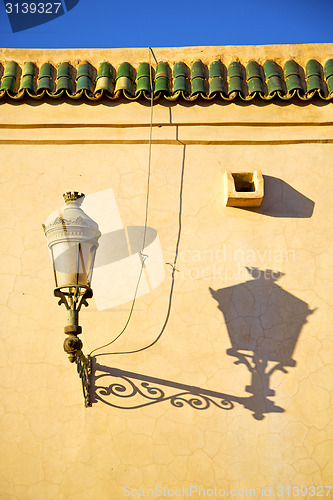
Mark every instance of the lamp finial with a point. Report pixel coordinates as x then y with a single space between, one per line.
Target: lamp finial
72 196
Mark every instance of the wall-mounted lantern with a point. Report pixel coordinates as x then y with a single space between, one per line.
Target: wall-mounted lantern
73 241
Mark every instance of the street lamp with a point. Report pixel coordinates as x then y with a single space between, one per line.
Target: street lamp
73 241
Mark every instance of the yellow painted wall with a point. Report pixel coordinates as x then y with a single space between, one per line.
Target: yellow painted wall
54 448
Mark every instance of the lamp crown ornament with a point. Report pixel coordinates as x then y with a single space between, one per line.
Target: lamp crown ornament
73 196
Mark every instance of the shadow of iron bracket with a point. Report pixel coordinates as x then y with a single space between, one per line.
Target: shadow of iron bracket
127 390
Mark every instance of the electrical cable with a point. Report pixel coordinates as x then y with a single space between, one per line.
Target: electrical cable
173 265
143 256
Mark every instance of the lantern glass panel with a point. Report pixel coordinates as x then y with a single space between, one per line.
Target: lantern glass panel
73 262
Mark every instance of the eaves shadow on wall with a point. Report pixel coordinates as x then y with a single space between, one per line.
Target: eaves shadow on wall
199 102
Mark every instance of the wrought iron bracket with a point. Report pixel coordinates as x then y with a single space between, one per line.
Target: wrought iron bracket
73 297
83 365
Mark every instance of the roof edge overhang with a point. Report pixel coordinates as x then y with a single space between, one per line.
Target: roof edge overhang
265 72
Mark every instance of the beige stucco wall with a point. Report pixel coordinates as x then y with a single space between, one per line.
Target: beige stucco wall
279 53
54 448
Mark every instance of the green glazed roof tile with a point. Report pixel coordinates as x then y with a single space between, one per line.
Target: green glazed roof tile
292 77
143 70
271 69
8 81
198 78
235 69
11 69
162 84
64 70
198 86
83 83
124 83
180 84
27 82
217 81
235 78
84 70
162 79
313 82
216 69
290 68
328 68
313 75
273 78
274 84
46 70
255 85
254 78
125 70
198 70
125 79
84 77
180 79
143 85
179 69
64 83
235 84
64 77
28 77
293 82
104 80
143 76
259 81
104 69
216 84
312 68
104 83
29 68
44 83
253 70
162 70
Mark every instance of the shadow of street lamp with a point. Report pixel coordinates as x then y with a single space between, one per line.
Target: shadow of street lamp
264 322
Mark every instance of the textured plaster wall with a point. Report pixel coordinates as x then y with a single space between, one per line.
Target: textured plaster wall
279 53
54 448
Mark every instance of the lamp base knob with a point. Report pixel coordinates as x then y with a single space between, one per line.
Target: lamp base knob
72 345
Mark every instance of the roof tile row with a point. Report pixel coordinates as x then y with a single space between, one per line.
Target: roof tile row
267 81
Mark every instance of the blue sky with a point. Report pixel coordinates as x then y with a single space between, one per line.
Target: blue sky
108 24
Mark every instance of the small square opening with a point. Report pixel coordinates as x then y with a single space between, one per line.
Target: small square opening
244 182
